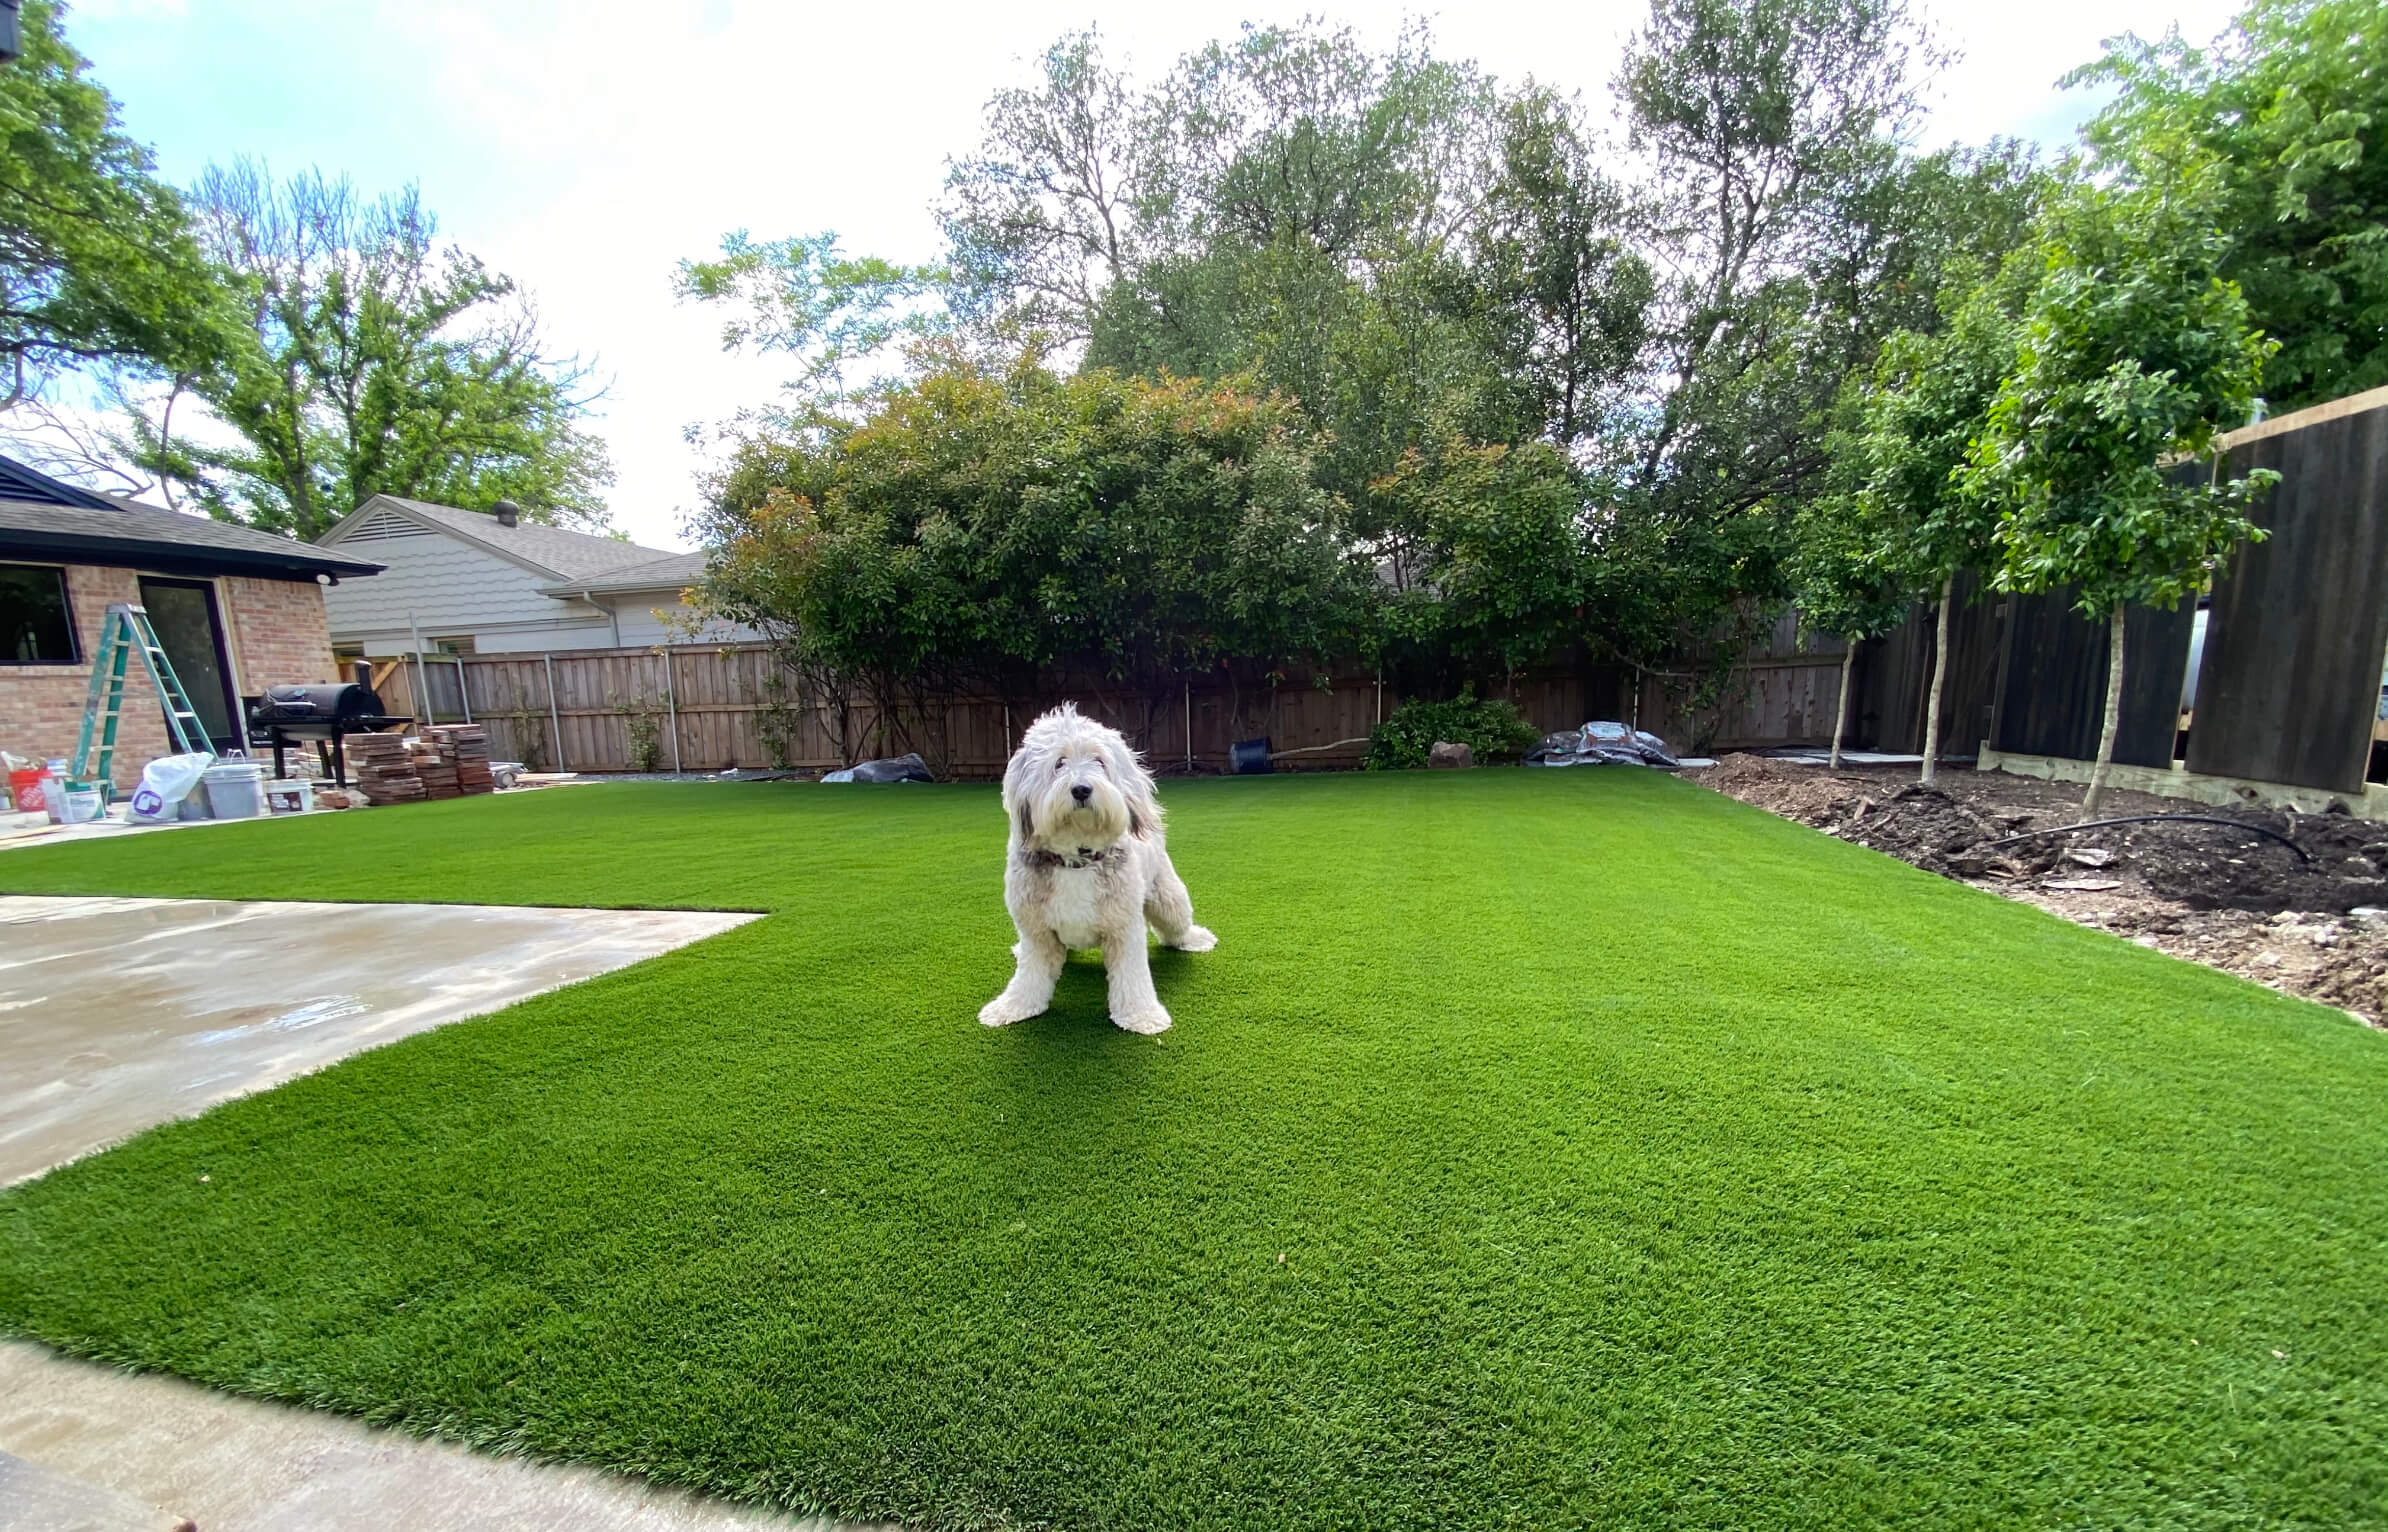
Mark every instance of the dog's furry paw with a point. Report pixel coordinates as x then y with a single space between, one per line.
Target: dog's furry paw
1003 1010
1145 1022
1196 939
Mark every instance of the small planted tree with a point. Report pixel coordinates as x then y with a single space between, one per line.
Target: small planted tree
1918 420
1849 581
2135 354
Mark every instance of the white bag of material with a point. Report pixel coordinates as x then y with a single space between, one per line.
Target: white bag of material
165 782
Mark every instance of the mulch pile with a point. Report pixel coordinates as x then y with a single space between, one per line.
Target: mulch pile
1947 829
2212 893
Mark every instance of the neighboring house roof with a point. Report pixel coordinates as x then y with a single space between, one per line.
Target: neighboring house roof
672 572
43 518
556 552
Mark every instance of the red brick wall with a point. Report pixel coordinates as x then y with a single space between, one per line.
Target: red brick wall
279 631
276 628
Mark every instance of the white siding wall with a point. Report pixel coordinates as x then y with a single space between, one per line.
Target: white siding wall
641 627
449 588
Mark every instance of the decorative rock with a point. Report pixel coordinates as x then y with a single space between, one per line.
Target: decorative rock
2089 856
1447 756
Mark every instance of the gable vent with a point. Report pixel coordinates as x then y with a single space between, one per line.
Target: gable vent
381 526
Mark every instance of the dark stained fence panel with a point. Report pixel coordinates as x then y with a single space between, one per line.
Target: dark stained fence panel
1894 683
2290 682
2054 697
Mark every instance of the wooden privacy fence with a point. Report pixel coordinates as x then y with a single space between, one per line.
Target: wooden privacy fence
2288 687
707 707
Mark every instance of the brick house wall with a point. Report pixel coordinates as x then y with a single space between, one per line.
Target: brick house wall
275 629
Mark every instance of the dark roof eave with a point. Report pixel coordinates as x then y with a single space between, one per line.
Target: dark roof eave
177 558
565 590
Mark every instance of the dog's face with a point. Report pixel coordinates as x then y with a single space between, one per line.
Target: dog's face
1074 783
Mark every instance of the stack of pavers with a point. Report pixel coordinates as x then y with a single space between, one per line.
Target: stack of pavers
465 748
384 769
438 775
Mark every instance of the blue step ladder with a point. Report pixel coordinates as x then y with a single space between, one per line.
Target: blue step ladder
125 632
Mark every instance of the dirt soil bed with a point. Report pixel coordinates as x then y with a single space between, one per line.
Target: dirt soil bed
2226 897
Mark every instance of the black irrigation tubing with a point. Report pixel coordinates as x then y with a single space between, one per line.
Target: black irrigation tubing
2156 819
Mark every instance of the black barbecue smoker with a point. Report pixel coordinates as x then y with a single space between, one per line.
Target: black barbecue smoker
322 715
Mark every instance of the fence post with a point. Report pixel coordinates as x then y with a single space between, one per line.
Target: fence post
671 703
555 723
1188 683
464 697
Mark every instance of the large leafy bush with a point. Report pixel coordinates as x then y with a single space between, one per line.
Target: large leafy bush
1490 726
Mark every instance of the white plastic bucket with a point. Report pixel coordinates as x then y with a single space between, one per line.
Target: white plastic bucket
294 796
235 790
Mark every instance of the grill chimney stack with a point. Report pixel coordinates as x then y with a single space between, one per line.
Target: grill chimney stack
508 513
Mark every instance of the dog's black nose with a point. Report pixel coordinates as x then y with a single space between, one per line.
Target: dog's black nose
1082 792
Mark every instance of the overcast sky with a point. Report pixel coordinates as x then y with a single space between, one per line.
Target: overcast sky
585 146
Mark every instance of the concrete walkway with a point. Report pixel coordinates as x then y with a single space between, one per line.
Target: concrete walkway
119 1014
144 1452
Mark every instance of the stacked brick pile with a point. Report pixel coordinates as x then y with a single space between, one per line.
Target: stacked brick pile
384 769
438 776
464 747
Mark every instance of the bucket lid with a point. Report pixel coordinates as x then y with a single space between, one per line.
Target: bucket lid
234 771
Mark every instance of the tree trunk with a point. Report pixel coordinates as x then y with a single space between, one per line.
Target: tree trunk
1840 716
1940 678
2114 716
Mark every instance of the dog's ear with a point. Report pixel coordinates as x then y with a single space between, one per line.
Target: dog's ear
1135 785
1015 797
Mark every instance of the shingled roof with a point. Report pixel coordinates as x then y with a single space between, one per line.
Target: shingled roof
672 571
558 553
47 519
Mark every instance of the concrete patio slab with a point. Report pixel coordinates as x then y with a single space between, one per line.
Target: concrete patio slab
241 1465
119 1014
36 1499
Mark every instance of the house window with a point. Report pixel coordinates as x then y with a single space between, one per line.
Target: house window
36 625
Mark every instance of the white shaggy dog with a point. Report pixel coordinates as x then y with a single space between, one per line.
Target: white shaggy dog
1087 867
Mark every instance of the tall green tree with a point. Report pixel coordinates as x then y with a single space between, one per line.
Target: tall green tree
1481 565
1303 213
974 528
1462 292
371 360
1765 123
2290 106
98 264
803 297
1567 287
2135 353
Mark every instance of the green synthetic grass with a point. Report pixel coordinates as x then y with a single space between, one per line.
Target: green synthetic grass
1536 1150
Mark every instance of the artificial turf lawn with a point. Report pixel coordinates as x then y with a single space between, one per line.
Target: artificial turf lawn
1538 1149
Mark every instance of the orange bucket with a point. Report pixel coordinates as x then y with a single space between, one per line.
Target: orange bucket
25 790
